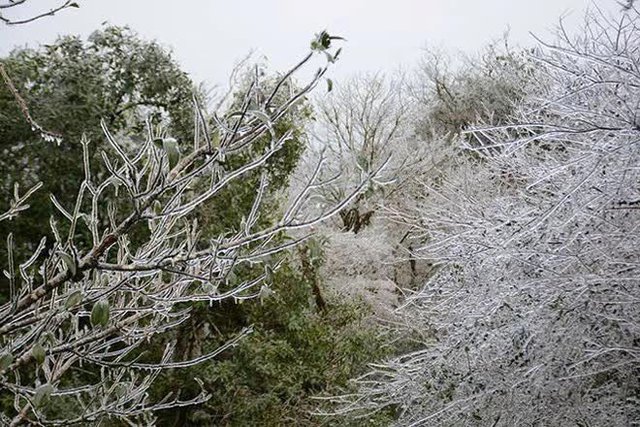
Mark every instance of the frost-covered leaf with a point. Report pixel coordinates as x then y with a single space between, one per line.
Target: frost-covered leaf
170 146
38 352
74 299
100 313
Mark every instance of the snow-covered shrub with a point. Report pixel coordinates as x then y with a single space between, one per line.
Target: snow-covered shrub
533 318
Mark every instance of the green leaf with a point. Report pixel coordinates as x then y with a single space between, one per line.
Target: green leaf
69 262
73 299
362 162
157 207
268 273
329 85
321 42
170 145
48 338
263 117
265 292
100 314
43 393
6 360
337 54
38 353
315 251
215 139
325 40
120 389
74 4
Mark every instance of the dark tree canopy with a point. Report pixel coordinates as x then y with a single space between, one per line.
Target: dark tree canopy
69 87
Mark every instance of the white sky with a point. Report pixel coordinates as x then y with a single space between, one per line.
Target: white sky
208 37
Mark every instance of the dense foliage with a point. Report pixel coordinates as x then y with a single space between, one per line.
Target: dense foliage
69 86
301 347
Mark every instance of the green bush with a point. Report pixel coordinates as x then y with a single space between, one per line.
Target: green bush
297 352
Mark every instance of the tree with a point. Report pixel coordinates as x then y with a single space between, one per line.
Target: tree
252 383
532 317
363 123
485 87
67 88
301 347
95 304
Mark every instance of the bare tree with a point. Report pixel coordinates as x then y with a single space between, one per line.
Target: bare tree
16 5
533 317
97 304
362 122
455 92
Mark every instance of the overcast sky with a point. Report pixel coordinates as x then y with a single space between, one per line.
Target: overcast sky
208 37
